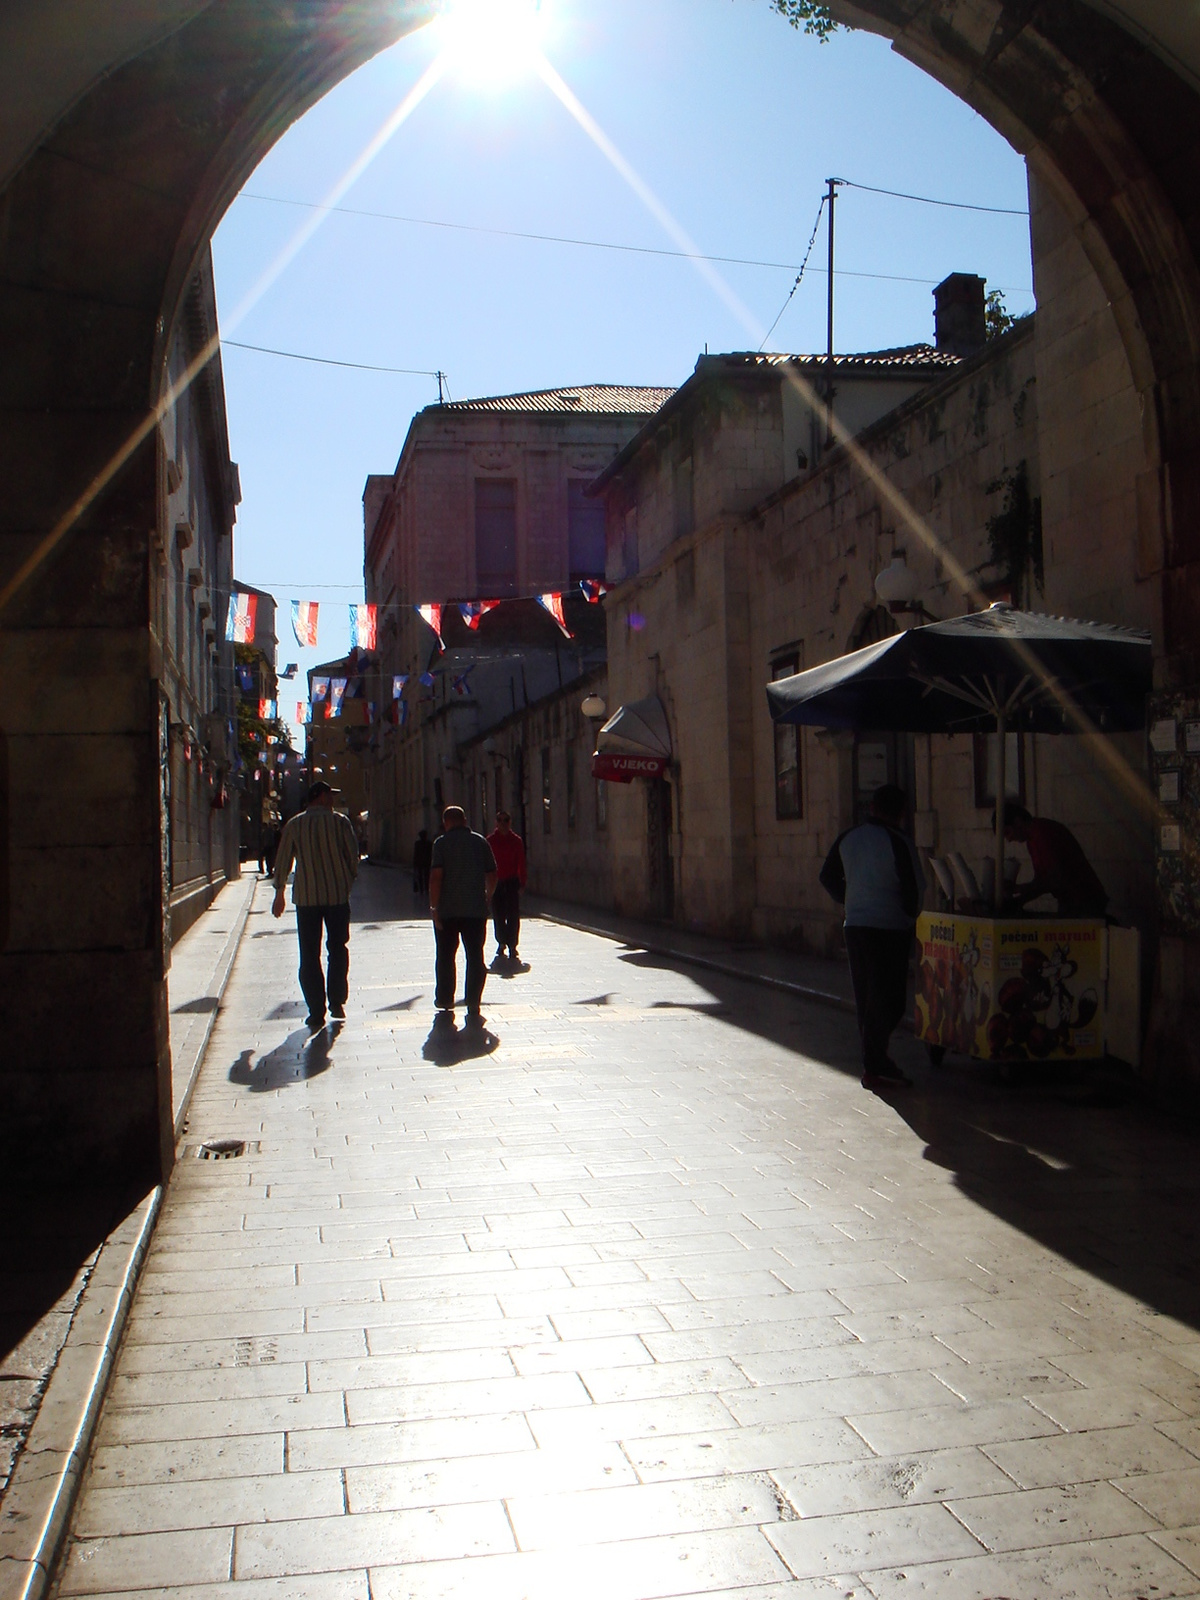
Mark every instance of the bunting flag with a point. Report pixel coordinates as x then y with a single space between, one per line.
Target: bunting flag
304 622
281 758
553 603
355 688
400 712
398 683
290 671
362 627
426 680
431 616
474 610
593 590
245 677
302 712
460 685
239 624
320 688
266 710
337 691
371 709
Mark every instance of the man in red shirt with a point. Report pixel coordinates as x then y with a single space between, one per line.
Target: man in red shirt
509 850
1060 867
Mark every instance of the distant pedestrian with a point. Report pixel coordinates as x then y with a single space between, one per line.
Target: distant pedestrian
509 850
874 871
462 879
422 854
322 844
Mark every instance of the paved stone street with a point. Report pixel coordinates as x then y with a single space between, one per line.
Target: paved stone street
641 1295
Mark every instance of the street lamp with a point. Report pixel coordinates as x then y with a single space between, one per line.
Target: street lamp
593 707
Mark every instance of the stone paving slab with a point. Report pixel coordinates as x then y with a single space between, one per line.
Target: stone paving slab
641 1300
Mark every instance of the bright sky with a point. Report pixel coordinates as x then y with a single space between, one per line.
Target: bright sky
731 119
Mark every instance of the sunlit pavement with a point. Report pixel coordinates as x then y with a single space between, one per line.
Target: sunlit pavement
640 1294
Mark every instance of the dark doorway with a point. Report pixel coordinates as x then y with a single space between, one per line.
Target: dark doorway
658 838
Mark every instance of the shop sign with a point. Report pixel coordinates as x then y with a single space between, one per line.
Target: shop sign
613 768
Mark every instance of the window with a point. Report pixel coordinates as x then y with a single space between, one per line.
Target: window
585 532
495 537
985 769
546 822
601 806
685 509
571 818
789 796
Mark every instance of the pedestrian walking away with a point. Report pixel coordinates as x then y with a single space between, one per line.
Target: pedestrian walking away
421 853
875 873
509 850
321 843
462 880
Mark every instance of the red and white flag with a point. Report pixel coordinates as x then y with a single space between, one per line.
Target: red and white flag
304 622
474 610
239 624
362 627
431 615
553 603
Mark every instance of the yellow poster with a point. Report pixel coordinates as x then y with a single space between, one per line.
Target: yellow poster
1011 990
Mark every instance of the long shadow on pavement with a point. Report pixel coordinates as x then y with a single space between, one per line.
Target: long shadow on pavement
301 1056
1069 1155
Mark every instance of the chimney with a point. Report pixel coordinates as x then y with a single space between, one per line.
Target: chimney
958 317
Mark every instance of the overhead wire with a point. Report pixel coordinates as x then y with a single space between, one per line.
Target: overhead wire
928 200
329 361
799 276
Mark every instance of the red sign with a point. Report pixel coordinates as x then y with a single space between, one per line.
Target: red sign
624 769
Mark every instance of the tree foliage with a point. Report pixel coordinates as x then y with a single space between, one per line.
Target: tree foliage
808 15
997 318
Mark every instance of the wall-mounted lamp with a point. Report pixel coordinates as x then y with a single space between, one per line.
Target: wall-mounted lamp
593 707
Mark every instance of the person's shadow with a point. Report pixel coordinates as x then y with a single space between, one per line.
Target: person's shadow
300 1057
448 1044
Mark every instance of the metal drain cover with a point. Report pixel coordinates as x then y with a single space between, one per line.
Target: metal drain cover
224 1149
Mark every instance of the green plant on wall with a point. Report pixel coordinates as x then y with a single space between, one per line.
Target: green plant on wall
813 17
1015 534
997 318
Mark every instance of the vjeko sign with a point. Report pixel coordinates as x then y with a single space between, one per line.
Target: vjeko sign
614 768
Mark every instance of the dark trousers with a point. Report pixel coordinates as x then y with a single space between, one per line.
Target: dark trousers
336 921
472 931
506 913
879 972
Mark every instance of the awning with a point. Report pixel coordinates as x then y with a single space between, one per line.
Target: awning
635 742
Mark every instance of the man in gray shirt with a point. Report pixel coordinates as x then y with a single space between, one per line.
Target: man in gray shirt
875 872
462 879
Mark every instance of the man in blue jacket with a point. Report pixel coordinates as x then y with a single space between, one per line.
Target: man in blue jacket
875 873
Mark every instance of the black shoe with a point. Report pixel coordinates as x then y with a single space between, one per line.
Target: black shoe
886 1080
315 1024
338 1013
475 1019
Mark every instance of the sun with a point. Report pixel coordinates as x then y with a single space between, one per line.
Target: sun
491 41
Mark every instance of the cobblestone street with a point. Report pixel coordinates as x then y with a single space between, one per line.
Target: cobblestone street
639 1294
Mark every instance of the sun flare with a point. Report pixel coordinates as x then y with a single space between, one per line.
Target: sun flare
491 41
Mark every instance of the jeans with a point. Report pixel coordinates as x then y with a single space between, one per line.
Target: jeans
506 913
879 973
472 931
336 921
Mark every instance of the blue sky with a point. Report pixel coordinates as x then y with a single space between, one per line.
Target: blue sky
732 118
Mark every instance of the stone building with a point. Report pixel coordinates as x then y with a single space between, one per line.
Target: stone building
192 571
677 500
487 502
337 746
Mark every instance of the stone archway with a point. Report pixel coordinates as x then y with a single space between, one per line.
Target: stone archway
117 159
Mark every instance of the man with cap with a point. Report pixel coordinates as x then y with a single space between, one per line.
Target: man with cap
322 844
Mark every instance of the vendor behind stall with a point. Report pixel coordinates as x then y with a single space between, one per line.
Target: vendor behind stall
1060 867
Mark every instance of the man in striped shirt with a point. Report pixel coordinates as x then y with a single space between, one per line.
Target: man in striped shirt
322 843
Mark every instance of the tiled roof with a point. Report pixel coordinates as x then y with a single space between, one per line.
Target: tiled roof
908 355
612 399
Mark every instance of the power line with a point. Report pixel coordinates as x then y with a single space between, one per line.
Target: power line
328 361
927 200
812 240
605 244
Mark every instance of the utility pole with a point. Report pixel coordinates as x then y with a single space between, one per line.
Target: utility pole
830 198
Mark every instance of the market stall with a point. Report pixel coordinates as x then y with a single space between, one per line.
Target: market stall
994 981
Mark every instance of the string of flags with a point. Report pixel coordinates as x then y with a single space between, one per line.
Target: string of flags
242 618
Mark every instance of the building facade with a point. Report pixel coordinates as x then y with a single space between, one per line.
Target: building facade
192 567
488 502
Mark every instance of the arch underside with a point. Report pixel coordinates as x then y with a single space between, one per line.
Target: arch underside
110 201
